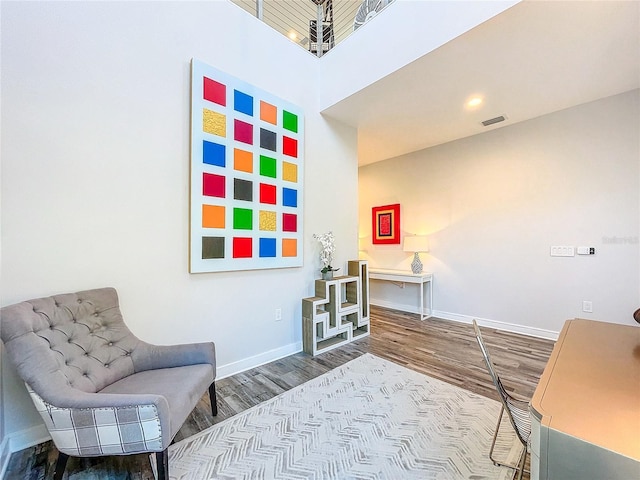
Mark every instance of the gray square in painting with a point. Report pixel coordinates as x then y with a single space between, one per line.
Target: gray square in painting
242 190
212 247
268 139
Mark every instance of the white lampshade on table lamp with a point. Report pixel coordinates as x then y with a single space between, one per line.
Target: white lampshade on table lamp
416 244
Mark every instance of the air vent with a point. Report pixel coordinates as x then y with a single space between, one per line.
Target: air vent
491 121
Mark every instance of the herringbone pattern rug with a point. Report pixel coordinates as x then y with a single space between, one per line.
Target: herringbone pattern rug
368 419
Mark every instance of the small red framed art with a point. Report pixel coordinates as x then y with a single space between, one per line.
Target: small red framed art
386 224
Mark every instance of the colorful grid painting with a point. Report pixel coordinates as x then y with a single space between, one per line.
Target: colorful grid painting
247 168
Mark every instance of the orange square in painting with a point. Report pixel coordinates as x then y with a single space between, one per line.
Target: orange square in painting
268 113
289 247
212 216
242 160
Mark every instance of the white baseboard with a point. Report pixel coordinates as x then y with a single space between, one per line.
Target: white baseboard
485 322
395 306
223 371
507 327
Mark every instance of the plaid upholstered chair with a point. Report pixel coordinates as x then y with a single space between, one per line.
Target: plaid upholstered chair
99 389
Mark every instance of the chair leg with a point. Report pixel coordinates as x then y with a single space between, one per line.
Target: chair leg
521 461
61 464
212 398
495 437
162 463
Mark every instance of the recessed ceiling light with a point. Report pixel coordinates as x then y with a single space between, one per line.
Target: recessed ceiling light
292 35
474 102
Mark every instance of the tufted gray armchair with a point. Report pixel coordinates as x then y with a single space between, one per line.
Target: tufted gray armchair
99 389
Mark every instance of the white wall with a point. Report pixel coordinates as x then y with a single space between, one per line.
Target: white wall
95 173
494 203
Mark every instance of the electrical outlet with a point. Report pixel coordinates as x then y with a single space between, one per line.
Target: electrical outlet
587 306
278 314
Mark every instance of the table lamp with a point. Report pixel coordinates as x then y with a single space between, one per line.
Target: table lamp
416 244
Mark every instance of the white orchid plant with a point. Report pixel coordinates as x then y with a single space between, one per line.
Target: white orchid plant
327 242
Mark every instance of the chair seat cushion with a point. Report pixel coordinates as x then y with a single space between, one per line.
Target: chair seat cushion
182 387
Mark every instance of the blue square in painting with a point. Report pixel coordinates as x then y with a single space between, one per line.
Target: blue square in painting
289 197
243 103
213 153
267 247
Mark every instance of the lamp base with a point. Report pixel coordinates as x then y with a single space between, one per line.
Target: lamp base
416 265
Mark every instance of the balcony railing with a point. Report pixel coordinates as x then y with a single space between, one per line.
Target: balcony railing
305 22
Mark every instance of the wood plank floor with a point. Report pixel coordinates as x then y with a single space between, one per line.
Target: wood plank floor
439 348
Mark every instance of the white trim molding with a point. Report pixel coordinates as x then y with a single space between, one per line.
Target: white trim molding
484 322
396 306
507 327
229 369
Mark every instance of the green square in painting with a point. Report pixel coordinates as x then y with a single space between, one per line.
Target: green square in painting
290 121
242 219
267 166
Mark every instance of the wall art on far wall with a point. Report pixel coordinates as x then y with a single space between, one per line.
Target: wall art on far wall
247 151
386 224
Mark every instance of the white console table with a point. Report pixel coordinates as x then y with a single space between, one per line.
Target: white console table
400 277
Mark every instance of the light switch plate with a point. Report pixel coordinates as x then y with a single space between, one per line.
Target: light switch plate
562 251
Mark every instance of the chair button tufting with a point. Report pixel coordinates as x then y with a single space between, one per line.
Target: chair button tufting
106 365
111 344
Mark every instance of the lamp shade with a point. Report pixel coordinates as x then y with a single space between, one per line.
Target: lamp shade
416 243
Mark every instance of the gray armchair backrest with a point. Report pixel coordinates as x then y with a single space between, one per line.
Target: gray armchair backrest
77 340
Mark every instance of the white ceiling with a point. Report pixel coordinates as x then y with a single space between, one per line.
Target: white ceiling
535 58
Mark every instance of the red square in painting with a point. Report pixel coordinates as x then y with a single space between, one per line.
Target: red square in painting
242 247
243 132
267 193
289 222
213 185
214 91
290 146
